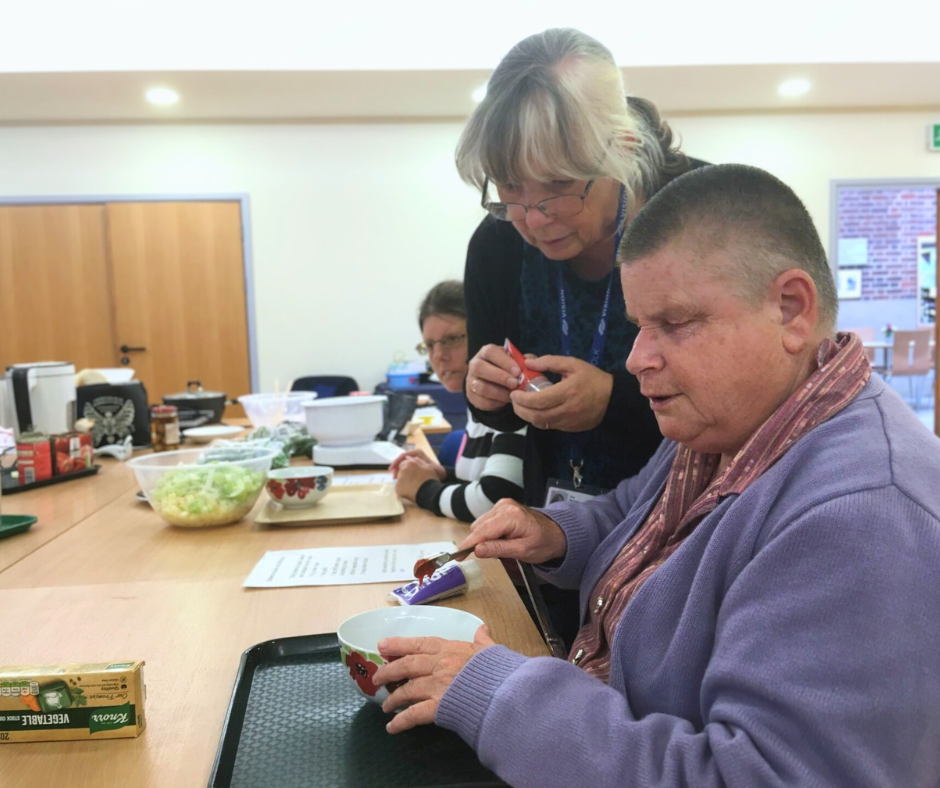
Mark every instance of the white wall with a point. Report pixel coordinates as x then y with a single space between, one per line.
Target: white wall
353 223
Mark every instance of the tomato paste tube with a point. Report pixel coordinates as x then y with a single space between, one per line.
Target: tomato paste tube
455 577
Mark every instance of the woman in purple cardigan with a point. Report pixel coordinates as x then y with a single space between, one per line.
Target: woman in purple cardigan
760 605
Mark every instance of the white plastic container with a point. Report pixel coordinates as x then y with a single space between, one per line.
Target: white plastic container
269 410
345 421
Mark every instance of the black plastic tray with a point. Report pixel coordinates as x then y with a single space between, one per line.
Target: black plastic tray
296 720
12 486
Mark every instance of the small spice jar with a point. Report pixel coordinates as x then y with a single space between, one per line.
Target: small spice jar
164 428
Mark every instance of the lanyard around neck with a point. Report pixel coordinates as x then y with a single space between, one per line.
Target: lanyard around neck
600 332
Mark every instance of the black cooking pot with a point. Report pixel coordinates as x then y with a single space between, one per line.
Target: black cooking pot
197 407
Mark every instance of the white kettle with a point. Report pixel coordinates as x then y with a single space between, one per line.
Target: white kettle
38 397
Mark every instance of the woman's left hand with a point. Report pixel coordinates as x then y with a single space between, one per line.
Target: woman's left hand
414 472
428 666
576 403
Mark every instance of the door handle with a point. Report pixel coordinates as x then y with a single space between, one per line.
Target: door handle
126 349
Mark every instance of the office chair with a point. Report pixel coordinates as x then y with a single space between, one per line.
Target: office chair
326 385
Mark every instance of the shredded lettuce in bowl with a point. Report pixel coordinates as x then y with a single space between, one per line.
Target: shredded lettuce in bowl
202 495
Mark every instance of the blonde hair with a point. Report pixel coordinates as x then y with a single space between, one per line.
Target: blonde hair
555 109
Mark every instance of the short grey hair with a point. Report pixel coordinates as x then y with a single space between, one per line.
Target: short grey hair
555 108
445 298
746 212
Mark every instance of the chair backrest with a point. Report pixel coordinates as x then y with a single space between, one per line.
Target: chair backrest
912 354
398 412
326 385
450 448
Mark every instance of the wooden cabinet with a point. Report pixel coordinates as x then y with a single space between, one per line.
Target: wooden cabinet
80 282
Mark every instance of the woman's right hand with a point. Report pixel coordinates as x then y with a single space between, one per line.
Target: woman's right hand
491 376
417 455
511 530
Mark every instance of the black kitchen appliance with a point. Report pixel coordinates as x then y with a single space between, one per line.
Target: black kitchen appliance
118 410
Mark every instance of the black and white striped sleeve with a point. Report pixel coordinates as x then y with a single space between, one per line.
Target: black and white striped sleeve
498 455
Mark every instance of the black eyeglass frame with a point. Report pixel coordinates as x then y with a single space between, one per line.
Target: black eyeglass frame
540 205
454 341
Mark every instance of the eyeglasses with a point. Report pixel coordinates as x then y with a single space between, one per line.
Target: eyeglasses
560 207
451 342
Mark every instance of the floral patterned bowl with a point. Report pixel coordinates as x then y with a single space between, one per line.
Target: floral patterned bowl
359 637
299 486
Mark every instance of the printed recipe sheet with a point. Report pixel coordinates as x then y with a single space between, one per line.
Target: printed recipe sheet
335 566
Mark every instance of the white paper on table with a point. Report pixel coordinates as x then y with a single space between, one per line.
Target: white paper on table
363 478
337 566
428 411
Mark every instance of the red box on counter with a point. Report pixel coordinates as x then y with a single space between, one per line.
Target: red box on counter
34 460
72 451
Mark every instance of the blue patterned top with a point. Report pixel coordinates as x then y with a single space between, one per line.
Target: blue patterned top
540 333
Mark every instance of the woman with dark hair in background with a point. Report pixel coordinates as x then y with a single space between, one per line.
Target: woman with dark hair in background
489 464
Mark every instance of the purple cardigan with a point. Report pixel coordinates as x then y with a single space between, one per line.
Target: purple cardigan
792 639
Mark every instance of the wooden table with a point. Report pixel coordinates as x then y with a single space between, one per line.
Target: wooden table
885 348
119 584
62 506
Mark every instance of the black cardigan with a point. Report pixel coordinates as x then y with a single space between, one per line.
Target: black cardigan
492 289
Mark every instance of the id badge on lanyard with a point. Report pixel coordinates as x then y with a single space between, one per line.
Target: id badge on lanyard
562 491
576 454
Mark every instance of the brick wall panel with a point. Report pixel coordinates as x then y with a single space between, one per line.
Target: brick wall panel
891 220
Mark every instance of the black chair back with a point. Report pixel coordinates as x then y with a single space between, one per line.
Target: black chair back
326 385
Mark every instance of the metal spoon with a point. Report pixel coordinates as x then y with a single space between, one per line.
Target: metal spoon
425 567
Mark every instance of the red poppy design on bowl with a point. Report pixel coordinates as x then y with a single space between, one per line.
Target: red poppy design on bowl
362 672
276 489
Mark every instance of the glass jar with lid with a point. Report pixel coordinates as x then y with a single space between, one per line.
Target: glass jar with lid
164 428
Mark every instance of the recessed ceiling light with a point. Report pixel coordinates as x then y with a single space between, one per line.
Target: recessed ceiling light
794 87
162 96
479 94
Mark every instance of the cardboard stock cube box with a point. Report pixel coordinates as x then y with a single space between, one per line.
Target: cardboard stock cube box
75 701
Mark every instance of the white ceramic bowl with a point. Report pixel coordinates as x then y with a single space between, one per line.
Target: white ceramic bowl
190 495
345 421
269 410
300 486
359 637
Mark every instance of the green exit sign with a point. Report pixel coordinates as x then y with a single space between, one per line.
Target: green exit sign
933 136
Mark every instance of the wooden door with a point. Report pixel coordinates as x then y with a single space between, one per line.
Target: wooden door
55 288
179 293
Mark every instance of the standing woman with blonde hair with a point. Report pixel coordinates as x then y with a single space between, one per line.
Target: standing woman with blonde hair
564 162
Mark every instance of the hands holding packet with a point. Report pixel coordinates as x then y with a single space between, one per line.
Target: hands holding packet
577 403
